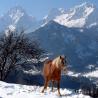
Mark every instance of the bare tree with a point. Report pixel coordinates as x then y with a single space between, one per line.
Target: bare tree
16 49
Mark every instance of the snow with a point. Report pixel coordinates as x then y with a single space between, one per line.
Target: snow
88 11
11 27
92 74
81 30
22 91
93 24
17 18
16 15
77 16
34 72
69 21
71 73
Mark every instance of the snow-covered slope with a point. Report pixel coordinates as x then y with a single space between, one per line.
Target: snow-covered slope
78 16
23 91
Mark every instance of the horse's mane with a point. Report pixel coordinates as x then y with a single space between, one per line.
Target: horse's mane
57 61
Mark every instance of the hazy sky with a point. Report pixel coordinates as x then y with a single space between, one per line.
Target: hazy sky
40 8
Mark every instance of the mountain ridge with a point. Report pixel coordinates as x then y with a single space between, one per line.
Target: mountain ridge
83 15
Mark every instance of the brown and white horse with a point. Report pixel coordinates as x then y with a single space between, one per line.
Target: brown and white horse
52 71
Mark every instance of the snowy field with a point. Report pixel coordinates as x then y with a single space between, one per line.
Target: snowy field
22 91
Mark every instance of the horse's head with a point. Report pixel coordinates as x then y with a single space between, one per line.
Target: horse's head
60 62
63 61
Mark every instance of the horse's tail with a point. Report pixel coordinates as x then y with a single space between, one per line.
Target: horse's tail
46 67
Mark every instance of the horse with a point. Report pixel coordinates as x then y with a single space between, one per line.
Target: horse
52 71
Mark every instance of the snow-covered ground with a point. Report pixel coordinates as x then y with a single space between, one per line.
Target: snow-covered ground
22 91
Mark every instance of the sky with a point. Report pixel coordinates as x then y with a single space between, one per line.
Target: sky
40 8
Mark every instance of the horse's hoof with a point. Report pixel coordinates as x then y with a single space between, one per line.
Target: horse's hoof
59 95
52 90
42 91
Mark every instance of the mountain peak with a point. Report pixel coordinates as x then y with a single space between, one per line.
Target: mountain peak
83 15
53 13
85 4
15 9
77 16
15 13
18 18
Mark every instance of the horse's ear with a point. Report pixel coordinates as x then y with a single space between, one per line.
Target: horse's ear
60 57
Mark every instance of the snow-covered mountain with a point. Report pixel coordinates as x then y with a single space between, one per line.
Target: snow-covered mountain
84 15
17 18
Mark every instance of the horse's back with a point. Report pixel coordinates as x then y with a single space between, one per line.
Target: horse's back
47 62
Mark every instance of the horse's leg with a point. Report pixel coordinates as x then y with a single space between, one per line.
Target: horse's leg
45 85
58 86
52 85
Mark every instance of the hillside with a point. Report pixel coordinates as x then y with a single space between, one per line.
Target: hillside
23 91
